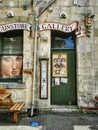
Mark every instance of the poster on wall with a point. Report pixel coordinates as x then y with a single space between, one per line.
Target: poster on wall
11 66
59 65
43 78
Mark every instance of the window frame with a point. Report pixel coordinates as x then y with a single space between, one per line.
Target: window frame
12 33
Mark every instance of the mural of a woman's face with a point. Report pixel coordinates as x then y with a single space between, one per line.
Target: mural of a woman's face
11 66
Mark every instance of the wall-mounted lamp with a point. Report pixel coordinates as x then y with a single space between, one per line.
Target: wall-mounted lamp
63 14
10 14
25 6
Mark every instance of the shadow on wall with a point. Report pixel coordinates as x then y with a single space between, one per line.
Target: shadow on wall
93 127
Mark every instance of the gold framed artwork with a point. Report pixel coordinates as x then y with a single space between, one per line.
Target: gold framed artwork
59 64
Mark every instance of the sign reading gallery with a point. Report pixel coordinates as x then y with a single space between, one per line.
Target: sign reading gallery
15 26
58 26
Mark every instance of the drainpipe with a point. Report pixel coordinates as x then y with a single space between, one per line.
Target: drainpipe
35 58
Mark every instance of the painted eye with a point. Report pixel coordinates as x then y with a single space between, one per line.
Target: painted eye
7 59
19 59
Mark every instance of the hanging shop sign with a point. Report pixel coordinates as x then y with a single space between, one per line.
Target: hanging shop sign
15 26
44 78
59 64
64 28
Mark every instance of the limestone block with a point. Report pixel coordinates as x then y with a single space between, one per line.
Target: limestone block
95 32
96 40
43 18
85 82
81 79
84 40
87 3
95 48
44 46
72 17
85 71
66 2
21 12
84 55
78 10
84 63
18 94
84 48
43 50
96 24
96 88
55 17
95 62
96 9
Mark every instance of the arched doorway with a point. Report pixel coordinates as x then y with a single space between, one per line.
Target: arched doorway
63 68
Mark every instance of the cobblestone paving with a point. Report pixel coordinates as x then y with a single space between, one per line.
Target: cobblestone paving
54 121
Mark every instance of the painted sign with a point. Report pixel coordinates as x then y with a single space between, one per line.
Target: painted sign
57 26
15 26
65 28
46 26
44 79
59 65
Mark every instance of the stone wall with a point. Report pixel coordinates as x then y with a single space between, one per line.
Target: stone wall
86 47
20 92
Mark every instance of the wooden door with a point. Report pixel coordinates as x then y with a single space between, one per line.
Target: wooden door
63 76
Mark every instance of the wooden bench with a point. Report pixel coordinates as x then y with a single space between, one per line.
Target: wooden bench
15 109
89 107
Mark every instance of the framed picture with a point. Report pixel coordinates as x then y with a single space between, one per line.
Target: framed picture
59 64
43 78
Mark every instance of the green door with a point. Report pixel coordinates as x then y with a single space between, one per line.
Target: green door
63 76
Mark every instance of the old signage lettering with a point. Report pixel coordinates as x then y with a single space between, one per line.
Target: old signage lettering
15 26
58 26
65 28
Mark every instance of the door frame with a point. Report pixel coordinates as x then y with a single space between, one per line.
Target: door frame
75 66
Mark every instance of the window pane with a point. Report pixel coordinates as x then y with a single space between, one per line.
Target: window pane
58 42
12 45
11 56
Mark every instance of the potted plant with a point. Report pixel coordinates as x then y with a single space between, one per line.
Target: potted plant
2 90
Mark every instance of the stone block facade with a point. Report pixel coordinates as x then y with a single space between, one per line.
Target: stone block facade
86 47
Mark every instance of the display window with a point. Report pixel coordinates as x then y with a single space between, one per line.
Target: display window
11 56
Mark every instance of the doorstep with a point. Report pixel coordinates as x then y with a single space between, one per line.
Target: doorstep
58 108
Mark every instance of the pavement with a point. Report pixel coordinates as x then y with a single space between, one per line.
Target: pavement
50 121
18 128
